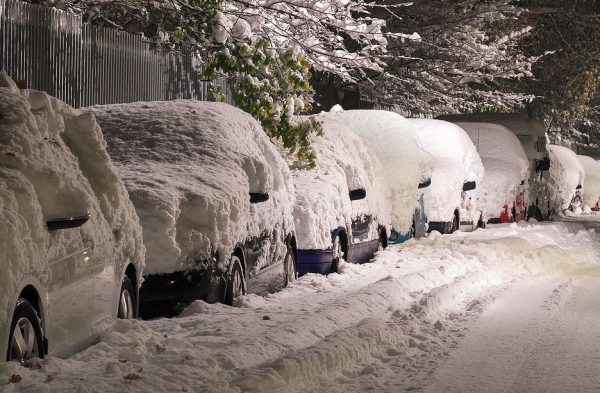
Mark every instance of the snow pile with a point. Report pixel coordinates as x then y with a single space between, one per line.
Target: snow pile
382 326
53 164
322 201
504 161
566 173
591 167
456 162
391 137
189 167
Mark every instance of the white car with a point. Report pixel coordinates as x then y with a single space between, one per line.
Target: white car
213 197
565 181
70 243
506 171
452 199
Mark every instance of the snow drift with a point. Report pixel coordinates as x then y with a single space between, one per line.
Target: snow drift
391 137
566 173
456 162
53 164
322 201
504 161
189 167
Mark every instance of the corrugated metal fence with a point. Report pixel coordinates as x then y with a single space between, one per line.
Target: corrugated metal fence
83 65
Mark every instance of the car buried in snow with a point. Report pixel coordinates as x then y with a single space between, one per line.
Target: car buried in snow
408 166
452 201
213 197
532 135
565 181
338 211
506 169
591 196
71 244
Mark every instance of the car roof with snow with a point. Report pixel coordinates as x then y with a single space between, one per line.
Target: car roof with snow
456 162
189 167
565 175
504 161
322 203
392 138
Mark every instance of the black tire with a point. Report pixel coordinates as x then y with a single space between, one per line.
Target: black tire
236 285
291 270
338 252
27 322
480 223
455 223
127 300
382 244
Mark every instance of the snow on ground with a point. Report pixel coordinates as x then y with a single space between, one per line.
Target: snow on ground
383 326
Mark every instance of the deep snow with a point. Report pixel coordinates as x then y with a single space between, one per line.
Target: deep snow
384 326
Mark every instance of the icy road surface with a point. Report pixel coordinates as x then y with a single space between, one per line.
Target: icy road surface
508 308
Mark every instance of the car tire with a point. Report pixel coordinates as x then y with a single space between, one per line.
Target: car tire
291 271
127 300
236 285
455 224
25 332
337 254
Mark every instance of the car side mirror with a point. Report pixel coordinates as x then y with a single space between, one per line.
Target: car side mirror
578 187
425 183
468 186
358 194
67 222
543 164
257 197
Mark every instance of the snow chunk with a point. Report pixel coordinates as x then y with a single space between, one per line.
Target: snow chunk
456 162
189 167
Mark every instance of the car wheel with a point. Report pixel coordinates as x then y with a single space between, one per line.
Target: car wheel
235 282
455 224
25 341
337 254
127 300
290 268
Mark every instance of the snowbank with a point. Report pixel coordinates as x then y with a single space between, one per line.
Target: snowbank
456 162
391 137
566 173
322 201
53 164
504 161
591 194
189 167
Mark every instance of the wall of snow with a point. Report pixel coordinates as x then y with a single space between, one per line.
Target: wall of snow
322 202
393 140
591 184
53 164
456 162
504 161
189 167
566 173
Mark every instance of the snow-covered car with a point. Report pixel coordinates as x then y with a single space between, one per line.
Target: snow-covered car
408 167
532 135
71 249
339 211
452 199
591 196
565 180
213 197
506 170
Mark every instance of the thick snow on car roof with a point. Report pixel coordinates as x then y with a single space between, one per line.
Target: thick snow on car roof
591 184
456 162
189 167
392 138
322 202
504 161
53 164
566 173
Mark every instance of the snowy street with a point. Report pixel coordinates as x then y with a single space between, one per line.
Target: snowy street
508 308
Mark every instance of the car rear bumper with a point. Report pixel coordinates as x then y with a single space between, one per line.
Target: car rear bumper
314 261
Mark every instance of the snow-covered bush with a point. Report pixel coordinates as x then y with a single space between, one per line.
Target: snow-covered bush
322 202
189 167
591 194
505 163
456 162
566 174
405 164
53 164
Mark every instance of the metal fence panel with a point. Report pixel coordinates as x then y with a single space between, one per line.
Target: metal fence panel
83 65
